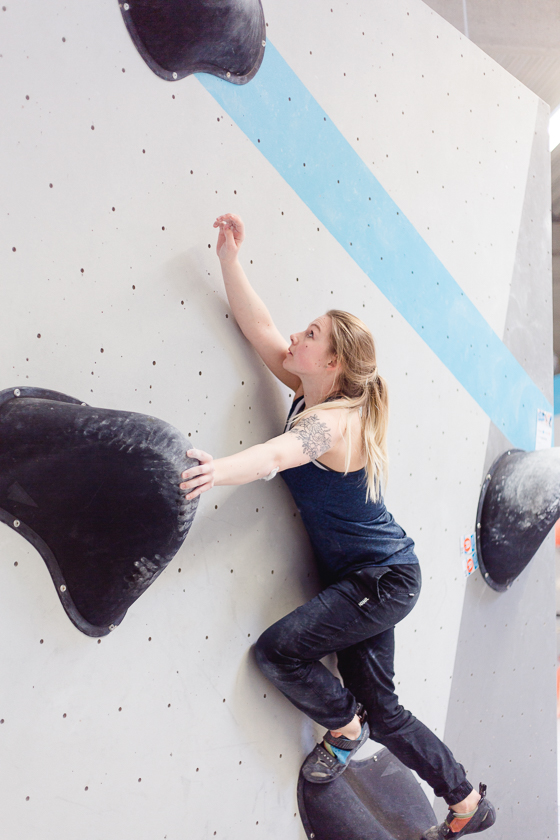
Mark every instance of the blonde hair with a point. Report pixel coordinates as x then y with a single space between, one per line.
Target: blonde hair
359 387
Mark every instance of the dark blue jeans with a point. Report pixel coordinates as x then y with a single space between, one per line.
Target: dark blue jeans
355 618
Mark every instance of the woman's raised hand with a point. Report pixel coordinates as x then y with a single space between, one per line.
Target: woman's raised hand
231 233
198 479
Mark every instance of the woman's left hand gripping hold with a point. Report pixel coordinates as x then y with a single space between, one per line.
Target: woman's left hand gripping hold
198 479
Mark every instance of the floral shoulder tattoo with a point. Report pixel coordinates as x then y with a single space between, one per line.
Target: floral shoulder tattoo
315 436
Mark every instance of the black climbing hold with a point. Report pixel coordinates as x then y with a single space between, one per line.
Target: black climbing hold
96 491
518 505
377 798
178 37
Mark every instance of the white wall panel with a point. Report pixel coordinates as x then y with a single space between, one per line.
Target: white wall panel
439 124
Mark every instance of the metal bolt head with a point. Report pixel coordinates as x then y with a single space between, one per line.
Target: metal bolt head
126 7
16 523
264 43
478 526
486 574
111 626
17 392
63 588
174 75
488 477
228 74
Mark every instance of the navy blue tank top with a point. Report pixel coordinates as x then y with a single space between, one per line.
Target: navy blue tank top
346 531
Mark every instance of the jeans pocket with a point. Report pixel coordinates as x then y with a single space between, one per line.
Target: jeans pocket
394 587
369 580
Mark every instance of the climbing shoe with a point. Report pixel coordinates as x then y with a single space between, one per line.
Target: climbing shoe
330 759
459 825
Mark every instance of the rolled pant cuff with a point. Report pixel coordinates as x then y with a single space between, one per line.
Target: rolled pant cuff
459 793
333 724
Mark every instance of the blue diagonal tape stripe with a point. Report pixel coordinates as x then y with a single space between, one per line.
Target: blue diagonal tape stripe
281 117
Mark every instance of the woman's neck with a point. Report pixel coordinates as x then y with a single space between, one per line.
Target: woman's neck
316 393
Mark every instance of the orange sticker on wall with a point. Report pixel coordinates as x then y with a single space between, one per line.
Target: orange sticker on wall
469 556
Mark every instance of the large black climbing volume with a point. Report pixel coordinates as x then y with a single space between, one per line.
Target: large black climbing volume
377 798
518 505
96 491
178 37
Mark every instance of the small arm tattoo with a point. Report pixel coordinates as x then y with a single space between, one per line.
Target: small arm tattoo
315 436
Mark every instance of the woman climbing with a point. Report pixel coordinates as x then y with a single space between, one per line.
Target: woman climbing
333 457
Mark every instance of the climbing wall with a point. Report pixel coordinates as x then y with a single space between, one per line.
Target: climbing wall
384 165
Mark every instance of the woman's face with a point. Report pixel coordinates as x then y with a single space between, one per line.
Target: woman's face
310 351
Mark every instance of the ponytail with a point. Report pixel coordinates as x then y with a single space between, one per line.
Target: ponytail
360 388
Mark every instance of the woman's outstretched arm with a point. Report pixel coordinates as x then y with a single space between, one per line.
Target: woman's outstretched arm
248 309
309 439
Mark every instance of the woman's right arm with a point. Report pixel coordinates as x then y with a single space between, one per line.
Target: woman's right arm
248 309
308 439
